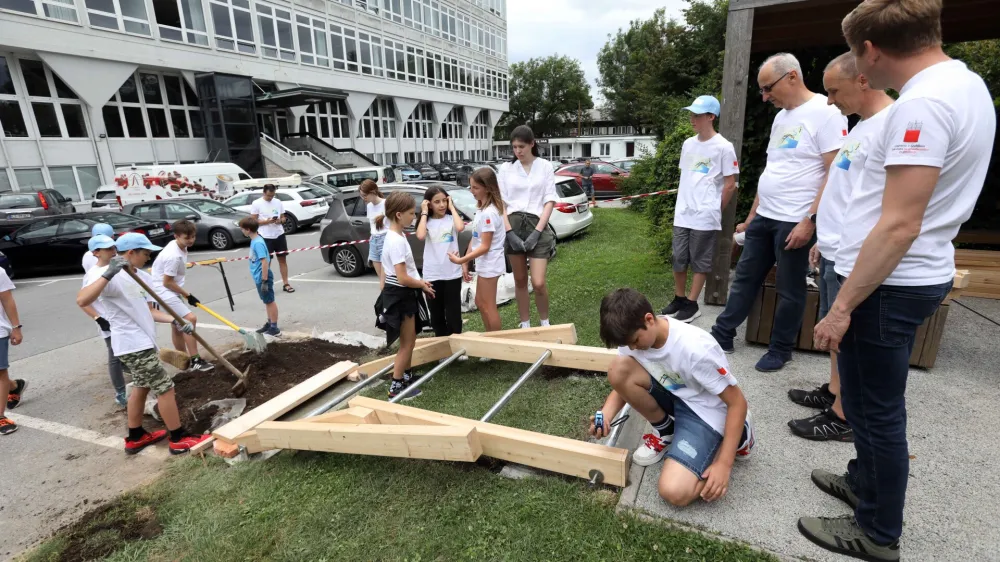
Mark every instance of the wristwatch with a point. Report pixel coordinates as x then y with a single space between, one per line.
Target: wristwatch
812 218
19 326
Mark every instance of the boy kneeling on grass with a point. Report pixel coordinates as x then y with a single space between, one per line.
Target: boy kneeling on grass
676 376
133 339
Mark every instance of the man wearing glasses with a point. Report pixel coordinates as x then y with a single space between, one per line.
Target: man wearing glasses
805 137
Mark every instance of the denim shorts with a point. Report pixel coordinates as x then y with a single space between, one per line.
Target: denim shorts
265 290
4 347
829 286
695 442
375 248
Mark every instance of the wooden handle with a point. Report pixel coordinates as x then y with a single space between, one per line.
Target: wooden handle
170 311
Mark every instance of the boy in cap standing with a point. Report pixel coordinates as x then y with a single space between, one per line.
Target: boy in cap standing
99 229
102 249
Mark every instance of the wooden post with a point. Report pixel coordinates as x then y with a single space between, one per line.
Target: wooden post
735 73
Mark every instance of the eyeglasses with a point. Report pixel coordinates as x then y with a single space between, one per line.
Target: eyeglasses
767 89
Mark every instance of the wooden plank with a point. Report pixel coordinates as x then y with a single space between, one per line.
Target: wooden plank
936 335
556 454
347 415
918 344
284 402
735 74
203 446
561 333
250 441
809 320
444 443
961 279
981 294
563 355
422 354
767 315
753 321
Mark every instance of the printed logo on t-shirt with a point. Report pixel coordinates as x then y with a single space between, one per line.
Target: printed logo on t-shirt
846 155
722 371
790 137
843 132
912 133
736 163
668 380
702 164
443 236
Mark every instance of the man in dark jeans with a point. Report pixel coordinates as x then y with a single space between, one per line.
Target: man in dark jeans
806 135
895 258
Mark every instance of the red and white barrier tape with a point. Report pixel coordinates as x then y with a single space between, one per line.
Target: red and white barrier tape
640 196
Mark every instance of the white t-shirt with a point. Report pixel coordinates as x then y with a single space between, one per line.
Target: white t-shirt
845 173
5 285
944 118
396 250
441 240
704 169
172 261
795 169
125 308
693 367
373 210
524 192
488 219
89 261
268 210
89 278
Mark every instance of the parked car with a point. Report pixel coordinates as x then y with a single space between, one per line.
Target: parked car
57 243
571 214
446 171
429 173
303 205
351 177
326 191
407 173
217 224
25 205
625 164
105 198
605 177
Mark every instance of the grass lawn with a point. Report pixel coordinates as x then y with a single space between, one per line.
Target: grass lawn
315 506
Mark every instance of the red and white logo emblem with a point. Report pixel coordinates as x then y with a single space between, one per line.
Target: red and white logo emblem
913 131
722 371
843 132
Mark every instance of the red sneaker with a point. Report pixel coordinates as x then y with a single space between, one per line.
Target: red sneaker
133 447
185 444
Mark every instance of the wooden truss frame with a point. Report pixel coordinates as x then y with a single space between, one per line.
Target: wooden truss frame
375 427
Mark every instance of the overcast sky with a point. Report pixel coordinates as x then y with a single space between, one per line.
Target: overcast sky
576 28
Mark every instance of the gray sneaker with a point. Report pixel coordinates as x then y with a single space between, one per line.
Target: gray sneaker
843 535
836 485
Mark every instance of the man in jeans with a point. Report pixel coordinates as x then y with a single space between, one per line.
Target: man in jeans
587 181
896 261
805 137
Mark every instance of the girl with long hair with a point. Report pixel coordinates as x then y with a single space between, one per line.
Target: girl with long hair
438 227
374 206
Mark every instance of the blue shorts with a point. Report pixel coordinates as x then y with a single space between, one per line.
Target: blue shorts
695 442
4 347
265 290
829 286
375 248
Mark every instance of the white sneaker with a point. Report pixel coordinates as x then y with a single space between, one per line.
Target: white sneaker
652 450
746 447
525 325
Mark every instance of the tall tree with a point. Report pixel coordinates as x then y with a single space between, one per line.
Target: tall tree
545 93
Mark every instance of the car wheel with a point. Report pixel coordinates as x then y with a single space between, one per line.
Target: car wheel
220 239
290 225
347 261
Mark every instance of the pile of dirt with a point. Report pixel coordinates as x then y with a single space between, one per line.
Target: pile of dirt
280 367
549 372
106 529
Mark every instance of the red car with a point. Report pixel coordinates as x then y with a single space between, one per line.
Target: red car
605 177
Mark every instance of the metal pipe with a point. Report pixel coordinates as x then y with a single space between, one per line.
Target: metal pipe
350 392
428 376
616 431
510 391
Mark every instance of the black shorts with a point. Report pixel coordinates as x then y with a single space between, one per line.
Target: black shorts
279 244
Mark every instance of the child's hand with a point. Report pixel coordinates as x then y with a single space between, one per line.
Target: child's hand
16 336
429 289
451 204
424 205
598 432
455 258
466 274
716 481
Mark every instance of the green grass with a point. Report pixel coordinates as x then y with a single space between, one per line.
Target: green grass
314 506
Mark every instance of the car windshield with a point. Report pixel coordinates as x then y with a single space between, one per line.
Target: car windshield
210 207
310 194
568 189
464 201
18 201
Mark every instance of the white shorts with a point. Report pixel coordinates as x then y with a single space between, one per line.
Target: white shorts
177 305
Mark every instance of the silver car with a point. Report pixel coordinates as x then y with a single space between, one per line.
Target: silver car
217 224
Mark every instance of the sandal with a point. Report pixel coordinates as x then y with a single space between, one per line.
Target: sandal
288 289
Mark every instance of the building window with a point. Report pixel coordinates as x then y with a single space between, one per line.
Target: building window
415 65
395 60
276 32
478 128
370 50
165 106
29 179
55 108
62 10
5 185
77 183
181 20
312 41
326 120
345 48
419 125
605 149
233 25
452 126
119 15
12 123
379 121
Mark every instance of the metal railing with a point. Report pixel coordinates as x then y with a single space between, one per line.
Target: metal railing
293 154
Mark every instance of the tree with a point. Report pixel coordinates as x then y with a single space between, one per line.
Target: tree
545 94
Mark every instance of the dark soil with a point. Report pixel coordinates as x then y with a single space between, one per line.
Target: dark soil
549 372
106 529
281 367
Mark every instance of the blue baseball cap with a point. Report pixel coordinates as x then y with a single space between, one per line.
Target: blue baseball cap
103 229
705 104
100 242
135 241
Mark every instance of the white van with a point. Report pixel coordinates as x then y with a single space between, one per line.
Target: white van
136 184
352 177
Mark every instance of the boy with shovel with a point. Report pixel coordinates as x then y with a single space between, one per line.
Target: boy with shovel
133 339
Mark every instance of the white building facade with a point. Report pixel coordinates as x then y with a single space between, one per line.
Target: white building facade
89 85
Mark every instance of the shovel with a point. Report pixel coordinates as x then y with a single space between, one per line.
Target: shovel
251 340
241 384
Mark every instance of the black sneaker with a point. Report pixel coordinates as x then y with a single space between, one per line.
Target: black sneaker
14 395
7 426
824 426
819 397
397 387
199 364
674 307
263 329
688 312
409 378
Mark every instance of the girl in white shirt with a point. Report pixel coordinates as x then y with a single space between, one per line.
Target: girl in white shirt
375 206
403 310
439 226
487 245
528 187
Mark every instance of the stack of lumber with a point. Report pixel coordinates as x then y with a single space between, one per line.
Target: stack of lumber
984 272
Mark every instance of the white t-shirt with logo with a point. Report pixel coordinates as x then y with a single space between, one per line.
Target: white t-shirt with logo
492 263
89 278
373 210
795 170
693 367
5 285
704 169
126 309
89 261
527 192
845 173
944 118
396 250
441 240
172 261
268 210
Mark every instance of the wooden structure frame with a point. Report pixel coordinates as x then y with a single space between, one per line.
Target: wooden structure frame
376 427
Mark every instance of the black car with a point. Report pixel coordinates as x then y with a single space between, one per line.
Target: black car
447 173
57 243
428 173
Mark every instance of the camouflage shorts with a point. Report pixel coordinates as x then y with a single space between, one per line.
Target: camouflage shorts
147 371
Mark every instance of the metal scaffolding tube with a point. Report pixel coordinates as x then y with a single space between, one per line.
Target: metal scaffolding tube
520 382
428 376
350 392
616 431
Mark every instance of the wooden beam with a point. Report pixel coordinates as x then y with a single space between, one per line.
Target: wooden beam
556 454
563 355
561 333
735 73
284 402
422 354
445 443
347 415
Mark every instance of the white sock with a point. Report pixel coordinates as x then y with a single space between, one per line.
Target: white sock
525 324
545 322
